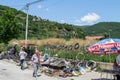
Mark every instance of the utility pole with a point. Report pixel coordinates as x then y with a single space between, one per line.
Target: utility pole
26 31
27 18
109 33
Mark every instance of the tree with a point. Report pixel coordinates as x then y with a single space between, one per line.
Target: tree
9 28
106 35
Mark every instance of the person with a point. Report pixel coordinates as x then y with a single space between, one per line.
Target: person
23 56
36 62
35 49
14 49
116 66
10 55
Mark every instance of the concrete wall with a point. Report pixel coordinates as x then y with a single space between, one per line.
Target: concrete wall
105 65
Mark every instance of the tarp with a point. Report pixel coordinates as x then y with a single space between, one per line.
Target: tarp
105 46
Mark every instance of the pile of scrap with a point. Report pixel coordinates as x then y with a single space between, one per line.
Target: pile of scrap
66 68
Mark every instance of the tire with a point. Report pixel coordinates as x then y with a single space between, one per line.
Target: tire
76 46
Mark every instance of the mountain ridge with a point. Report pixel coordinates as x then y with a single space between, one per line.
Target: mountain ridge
43 28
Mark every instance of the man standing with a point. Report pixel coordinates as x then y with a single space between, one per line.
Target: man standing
22 55
116 66
36 62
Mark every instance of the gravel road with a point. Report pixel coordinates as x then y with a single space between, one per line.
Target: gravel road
9 71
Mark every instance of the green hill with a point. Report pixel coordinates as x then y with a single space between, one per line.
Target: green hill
107 29
42 28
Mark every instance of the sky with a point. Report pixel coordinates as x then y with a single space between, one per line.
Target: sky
75 12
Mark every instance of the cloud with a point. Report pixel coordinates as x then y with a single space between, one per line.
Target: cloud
40 6
43 8
62 21
90 18
78 22
47 9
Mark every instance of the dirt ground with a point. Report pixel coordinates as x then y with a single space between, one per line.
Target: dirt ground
10 71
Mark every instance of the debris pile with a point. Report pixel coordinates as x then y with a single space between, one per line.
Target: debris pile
66 67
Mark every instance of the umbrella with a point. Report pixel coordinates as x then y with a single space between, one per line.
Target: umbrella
105 46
